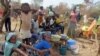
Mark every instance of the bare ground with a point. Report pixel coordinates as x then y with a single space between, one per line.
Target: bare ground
85 47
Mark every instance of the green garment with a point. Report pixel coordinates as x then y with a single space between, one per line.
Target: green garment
9 46
98 22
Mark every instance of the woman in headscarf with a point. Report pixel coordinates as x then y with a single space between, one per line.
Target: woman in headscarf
13 45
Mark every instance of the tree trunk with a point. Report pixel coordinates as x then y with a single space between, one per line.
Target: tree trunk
5 4
1 24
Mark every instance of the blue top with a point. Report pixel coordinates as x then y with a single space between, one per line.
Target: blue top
35 36
43 44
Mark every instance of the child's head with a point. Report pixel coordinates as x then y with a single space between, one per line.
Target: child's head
11 37
25 8
41 7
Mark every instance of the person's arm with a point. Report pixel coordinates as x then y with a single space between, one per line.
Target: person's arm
41 52
30 47
48 47
20 23
53 53
20 51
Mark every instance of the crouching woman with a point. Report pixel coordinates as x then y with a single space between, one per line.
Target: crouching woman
13 45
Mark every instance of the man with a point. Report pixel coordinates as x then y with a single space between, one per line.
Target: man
45 44
50 12
8 22
60 23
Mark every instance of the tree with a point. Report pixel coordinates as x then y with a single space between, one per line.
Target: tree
5 4
95 11
61 8
37 3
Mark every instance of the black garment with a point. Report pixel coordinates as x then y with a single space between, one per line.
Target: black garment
27 41
60 27
78 17
8 24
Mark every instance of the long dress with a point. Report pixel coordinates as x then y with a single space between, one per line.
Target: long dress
72 24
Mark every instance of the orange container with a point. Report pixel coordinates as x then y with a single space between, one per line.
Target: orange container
89 31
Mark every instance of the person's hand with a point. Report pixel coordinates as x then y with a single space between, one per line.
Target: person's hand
25 55
41 53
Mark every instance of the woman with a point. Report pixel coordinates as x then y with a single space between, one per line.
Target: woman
72 24
13 45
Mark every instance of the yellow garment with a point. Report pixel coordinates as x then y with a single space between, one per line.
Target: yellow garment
85 28
55 37
59 20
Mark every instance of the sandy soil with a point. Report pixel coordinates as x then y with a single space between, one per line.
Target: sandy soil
85 48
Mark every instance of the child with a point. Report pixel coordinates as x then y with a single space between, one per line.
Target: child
26 16
63 48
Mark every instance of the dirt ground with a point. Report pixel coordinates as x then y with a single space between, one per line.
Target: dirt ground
85 47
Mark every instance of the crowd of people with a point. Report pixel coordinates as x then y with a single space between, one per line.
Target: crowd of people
36 32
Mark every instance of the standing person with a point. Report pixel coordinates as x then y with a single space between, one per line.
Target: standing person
40 16
50 12
98 22
51 15
26 16
8 22
72 23
85 19
35 26
78 16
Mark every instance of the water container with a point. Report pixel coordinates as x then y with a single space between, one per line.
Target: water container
70 43
63 50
